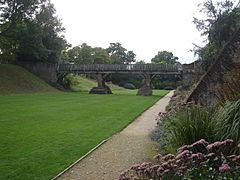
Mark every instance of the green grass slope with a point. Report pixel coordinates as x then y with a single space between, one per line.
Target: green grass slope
15 79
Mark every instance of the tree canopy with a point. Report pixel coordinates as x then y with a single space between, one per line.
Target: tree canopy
164 57
120 55
30 31
85 54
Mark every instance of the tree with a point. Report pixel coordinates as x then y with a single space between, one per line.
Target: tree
219 26
100 56
81 54
120 55
164 57
52 32
15 11
85 54
31 31
169 81
130 57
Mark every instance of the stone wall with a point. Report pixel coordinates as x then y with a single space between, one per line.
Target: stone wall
225 68
191 73
46 71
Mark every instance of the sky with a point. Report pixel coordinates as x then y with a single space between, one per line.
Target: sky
143 26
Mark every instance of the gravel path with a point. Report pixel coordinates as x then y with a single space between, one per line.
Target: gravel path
130 146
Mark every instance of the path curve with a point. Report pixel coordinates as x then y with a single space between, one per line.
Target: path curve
130 146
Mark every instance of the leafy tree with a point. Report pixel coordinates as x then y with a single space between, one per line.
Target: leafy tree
85 54
221 22
30 32
100 56
120 55
164 57
52 32
169 81
15 11
130 57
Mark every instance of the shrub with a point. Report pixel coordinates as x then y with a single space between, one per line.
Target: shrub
199 160
129 86
228 121
169 88
184 126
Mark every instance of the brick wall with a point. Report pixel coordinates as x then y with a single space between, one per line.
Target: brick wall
225 68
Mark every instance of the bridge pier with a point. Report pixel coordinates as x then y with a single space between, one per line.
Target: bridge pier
102 88
146 88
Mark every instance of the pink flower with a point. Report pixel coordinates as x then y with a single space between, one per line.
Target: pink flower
236 159
211 155
224 168
214 146
183 148
184 154
198 156
158 157
168 157
135 167
200 142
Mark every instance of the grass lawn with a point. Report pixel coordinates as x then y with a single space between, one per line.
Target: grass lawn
42 134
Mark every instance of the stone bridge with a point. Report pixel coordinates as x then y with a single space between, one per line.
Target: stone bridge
148 71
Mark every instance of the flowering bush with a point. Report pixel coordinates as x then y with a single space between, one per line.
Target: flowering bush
199 160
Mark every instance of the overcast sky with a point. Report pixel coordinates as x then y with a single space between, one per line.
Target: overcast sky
144 26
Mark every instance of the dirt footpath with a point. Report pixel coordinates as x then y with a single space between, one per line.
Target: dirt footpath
130 146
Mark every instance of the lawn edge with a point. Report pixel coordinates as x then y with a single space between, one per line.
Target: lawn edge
81 158
103 142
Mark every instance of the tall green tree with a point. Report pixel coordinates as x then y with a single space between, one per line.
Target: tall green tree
14 11
36 34
164 57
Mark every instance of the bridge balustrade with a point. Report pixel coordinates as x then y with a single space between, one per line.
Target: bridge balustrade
118 68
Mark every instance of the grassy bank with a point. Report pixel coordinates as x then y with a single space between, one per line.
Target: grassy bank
41 134
15 79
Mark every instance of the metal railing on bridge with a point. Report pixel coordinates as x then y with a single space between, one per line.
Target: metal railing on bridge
120 68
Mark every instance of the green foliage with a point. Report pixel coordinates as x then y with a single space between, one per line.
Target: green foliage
164 57
100 56
162 82
13 12
85 54
228 121
170 81
192 123
186 126
120 55
30 32
42 134
129 86
122 79
219 26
